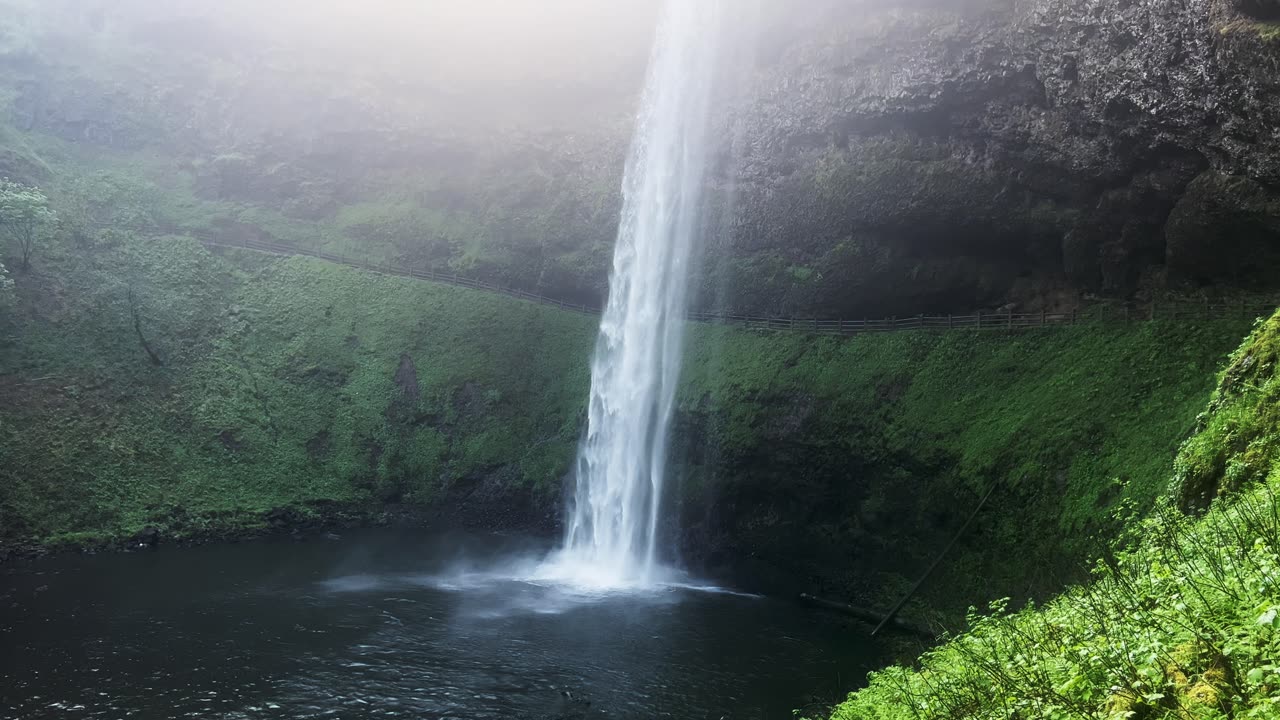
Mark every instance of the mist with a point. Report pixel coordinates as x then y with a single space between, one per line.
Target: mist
582 359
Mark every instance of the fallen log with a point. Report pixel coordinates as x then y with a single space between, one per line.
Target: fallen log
870 616
938 561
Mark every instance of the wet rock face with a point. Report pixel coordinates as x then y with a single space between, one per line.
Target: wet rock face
1260 9
1223 231
887 156
911 156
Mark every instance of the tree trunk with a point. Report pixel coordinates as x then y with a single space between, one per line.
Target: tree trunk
137 328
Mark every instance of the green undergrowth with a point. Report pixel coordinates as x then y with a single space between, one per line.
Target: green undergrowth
284 383
1183 627
1238 437
1267 31
293 383
1181 622
869 452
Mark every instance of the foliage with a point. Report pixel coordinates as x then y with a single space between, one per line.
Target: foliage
1180 622
6 288
1185 626
24 216
1238 438
510 211
1267 31
277 391
882 443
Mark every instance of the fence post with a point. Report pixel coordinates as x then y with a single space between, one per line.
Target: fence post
951 323
1009 319
1074 310
920 320
1043 317
979 319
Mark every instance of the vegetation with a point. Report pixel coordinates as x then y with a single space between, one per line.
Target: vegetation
218 389
456 193
284 385
1237 442
1180 622
1267 31
24 216
6 286
865 454
151 387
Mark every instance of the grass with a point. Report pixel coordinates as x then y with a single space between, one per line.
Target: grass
879 445
278 390
852 459
1181 622
1183 627
1267 31
1237 442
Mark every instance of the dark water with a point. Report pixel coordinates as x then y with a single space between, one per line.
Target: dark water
394 625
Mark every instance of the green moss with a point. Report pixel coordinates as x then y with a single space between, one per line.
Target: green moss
1238 438
1075 425
1183 625
278 390
1266 31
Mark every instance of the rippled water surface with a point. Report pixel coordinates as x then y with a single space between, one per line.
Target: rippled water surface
390 624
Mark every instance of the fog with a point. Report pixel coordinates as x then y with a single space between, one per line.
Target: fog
503 61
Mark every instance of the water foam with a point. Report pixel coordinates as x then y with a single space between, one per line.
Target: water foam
613 525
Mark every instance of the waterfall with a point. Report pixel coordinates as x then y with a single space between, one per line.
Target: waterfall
613 522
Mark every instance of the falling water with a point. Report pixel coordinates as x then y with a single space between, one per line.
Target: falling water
613 524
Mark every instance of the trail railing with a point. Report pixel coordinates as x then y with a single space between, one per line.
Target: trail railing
1100 312
1095 314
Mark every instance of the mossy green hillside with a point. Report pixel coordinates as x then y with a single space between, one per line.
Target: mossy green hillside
285 383
1182 626
292 383
864 454
1238 438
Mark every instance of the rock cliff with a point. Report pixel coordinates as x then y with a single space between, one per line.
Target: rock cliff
881 156
905 156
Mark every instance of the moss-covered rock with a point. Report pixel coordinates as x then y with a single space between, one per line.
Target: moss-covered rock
842 465
284 385
1237 440
835 464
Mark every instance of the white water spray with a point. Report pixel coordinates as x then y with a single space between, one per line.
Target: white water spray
612 527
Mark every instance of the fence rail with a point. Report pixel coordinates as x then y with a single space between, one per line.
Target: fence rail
1096 313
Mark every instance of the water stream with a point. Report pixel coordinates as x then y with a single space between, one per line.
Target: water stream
612 528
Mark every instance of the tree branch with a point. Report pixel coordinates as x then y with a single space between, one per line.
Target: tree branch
137 327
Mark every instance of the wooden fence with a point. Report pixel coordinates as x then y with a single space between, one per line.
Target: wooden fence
1101 312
